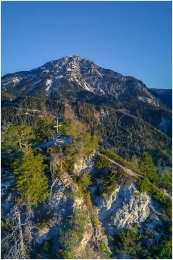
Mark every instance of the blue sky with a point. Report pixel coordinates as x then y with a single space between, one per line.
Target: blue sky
132 38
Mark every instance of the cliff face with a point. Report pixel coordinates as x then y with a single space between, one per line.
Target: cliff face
65 200
85 222
126 207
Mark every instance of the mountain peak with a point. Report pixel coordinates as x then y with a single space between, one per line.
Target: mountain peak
47 80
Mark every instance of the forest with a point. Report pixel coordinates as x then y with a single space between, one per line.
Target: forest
127 134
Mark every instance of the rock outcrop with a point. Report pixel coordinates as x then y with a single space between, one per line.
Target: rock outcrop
126 207
84 164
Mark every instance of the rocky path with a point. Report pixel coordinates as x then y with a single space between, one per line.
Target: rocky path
125 169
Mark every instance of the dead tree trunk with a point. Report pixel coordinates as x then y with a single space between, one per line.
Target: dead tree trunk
17 243
22 244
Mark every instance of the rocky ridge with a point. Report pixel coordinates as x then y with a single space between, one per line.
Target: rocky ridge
75 74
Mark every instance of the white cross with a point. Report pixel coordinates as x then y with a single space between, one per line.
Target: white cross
57 126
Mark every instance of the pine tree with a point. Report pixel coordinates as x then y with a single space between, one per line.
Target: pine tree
31 180
18 138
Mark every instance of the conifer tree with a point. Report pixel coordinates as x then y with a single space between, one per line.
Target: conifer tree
31 180
18 138
45 130
147 167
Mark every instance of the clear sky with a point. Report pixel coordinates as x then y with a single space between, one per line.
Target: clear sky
132 38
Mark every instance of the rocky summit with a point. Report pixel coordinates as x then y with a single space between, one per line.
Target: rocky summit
75 74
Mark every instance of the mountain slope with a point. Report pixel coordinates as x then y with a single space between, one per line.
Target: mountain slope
76 74
105 199
75 81
164 95
125 133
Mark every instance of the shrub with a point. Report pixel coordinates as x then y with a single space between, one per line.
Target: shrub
46 246
105 196
103 249
85 180
102 162
143 185
129 242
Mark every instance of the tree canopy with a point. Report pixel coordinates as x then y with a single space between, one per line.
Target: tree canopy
45 130
18 138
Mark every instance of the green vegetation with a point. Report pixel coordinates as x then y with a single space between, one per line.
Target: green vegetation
74 226
23 128
75 128
150 183
135 162
111 179
18 138
72 231
84 181
45 129
31 180
103 249
132 135
53 150
85 144
105 195
147 168
165 178
132 243
139 136
82 143
6 226
163 250
45 246
129 242
102 162
6 96
143 184
165 201
118 159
